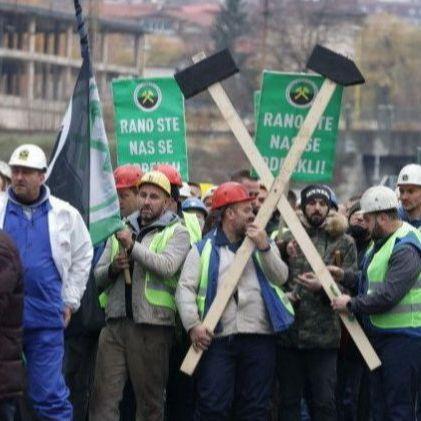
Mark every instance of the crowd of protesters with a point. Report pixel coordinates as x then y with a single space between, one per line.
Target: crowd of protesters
99 333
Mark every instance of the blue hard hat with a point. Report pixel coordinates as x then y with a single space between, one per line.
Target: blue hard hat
193 203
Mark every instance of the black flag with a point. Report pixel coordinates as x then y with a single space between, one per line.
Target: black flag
79 170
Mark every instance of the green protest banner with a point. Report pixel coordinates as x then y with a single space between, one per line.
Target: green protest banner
285 100
150 124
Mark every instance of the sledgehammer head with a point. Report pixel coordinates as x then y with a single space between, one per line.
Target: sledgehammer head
205 73
334 66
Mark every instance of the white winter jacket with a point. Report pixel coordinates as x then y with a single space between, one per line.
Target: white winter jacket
71 247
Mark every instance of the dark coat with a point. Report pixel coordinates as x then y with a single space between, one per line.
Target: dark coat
11 307
316 324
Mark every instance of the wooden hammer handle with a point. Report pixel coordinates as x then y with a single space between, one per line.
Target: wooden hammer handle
127 276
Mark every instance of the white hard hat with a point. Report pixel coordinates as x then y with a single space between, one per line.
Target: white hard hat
5 170
378 198
185 190
410 174
31 156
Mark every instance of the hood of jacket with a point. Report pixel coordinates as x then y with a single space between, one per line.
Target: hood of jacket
44 195
335 224
167 218
133 221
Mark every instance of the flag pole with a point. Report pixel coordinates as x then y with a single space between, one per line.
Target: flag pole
84 50
81 28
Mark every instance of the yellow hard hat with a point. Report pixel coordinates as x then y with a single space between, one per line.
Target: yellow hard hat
157 179
205 187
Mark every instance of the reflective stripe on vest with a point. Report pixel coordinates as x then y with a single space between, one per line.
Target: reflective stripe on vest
204 277
407 312
193 227
103 298
275 233
204 281
161 292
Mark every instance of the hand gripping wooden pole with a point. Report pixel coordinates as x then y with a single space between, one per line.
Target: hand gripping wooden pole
126 271
276 198
288 214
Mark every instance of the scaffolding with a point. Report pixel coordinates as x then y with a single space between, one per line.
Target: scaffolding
40 60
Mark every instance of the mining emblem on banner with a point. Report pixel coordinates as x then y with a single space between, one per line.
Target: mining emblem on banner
283 103
150 123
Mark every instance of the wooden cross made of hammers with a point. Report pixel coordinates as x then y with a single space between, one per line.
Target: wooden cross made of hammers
207 73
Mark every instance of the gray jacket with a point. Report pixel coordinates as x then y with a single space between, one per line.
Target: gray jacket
164 265
245 311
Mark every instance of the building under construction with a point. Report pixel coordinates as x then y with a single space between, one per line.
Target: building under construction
40 60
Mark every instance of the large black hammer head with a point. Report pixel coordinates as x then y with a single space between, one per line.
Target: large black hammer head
205 73
334 66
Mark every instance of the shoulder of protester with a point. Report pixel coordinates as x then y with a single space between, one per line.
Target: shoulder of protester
168 218
9 252
335 226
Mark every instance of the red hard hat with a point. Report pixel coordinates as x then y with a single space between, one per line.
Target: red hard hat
127 176
228 194
172 174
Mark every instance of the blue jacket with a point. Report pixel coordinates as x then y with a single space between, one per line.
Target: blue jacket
70 242
416 223
28 226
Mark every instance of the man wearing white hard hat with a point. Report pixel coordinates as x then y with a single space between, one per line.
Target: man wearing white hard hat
389 301
56 253
409 185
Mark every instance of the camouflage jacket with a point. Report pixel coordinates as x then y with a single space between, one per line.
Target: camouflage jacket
316 324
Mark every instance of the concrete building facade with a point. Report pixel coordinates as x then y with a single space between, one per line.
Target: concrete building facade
40 60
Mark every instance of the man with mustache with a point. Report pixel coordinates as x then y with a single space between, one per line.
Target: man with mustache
140 316
409 184
56 253
389 301
358 230
236 372
308 350
127 179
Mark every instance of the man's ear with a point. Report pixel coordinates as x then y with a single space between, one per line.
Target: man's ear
167 202
230 213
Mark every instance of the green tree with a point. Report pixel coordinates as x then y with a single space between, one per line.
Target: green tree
304 24
388 55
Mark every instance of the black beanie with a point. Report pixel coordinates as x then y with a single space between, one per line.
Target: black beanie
175 192
356 207
314 191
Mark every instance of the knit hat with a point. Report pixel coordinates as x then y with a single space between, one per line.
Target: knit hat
356 207
314 191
